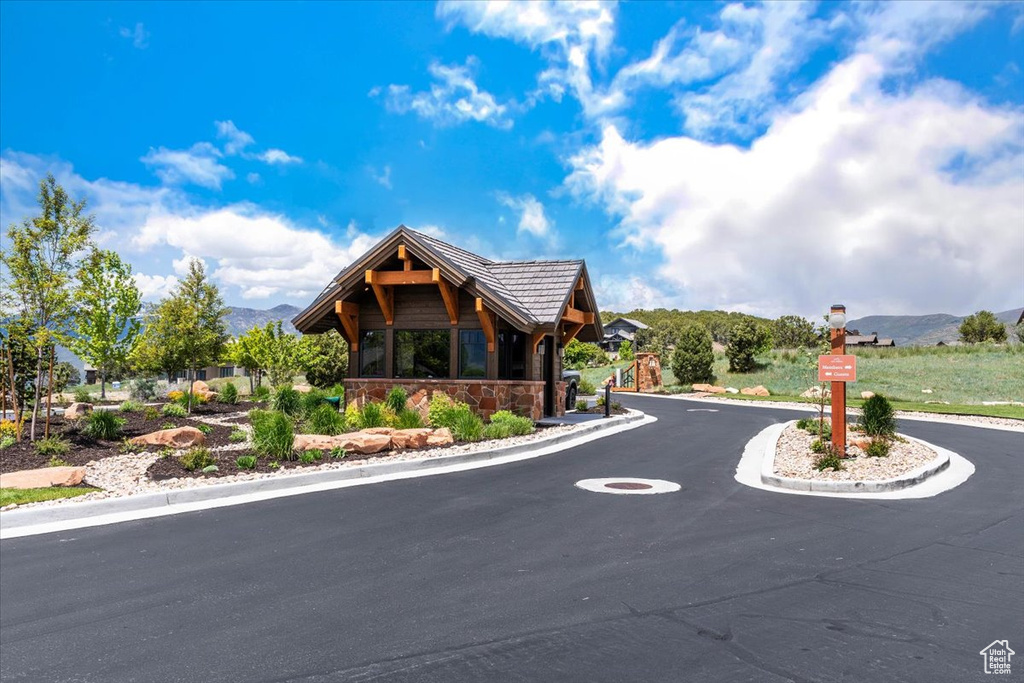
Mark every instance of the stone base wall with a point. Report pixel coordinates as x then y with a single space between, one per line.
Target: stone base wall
483 396
648 372
560 389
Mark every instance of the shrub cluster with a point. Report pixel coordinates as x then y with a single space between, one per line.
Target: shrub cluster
815 426
879 418
104 425
828 460
246 462
261 394
324 419
150 413
518 426
408 419
238 436
582 406
397 399
52 445
173 410
131 407
142 389
747 340
586 387
82 395
694 356
878 448
229 394
287 400
196 458
456 416
273 434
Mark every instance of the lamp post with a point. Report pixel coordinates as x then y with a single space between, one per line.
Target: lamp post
837 323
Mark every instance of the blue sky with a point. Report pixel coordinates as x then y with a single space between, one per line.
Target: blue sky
765 158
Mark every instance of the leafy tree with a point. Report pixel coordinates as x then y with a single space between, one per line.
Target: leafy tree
626 351
107 306
195 314
747 340
242 351
793 332
324 358
982 326
65 375
19 366
1019 331
694 357
41 259
156 350
579 354
279 355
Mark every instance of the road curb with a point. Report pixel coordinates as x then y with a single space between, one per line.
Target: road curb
912 478
145 502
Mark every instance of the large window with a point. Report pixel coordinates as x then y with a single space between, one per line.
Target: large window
511 354
371 354
227 371
472 354
422 354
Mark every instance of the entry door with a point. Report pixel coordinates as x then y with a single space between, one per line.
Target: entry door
548 364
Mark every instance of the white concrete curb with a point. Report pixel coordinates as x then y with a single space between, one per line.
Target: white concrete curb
757 470
903 481
46 519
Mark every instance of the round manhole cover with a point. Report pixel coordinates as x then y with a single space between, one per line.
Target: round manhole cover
628 485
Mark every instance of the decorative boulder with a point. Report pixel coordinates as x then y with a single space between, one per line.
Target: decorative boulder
364 443
410 438
861 442
732 390
77 410
378 430
815 392
716 390
440 437
867 394
203 390
755 391
313 442
43 478
179 437
702 387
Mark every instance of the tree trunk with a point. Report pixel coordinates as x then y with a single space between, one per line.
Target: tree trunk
191 380
49 392
252 388
39 388
14 394
103 383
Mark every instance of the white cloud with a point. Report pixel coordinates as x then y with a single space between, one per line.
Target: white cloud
453 98
891 203
898 32
617 293
236 140
138 35
155 287
278 156
383 178
531 213
199 164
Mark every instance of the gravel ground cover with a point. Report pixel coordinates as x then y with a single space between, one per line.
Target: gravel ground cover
794 458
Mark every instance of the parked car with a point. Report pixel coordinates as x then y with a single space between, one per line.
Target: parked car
572 387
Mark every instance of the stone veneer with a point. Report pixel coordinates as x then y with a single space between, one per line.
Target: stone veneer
484 396
648 370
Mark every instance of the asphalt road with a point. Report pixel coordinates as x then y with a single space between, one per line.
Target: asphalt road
510 573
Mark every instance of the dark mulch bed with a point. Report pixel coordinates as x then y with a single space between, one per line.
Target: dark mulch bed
171 468
22 456
593 410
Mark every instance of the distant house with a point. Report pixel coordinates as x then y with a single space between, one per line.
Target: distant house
618 331
211 372
855 338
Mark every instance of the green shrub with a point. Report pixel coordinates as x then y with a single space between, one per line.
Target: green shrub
238 435
694 356
168 425
352 417
375 415
287 400
273 464
205 428
309 457
396 400
878 448
466 426
878 419
166 452
518 426
408 419
82 395
7 442
582 406
52 445
229 394
103 424
747 340
325 419
272 434
142 389
586 387
335 390
57 462
497 430
128 447
173 410
150 413
818 446
196 458
261 394
246 462
811 425
130 407
828 460
311 400
337 453
182 398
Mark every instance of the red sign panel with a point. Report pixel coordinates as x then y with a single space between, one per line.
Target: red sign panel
837 368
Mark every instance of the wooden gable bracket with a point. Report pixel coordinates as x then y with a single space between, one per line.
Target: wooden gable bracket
404 257
450 295
577 317
348 314
537 338
570 332
487 322
391 278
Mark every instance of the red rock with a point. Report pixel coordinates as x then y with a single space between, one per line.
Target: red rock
180 437
410 438
755 391
440 437
77 410
43 478
313 442
378 430
361 442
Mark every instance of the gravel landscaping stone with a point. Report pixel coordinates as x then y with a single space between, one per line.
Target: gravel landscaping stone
794 459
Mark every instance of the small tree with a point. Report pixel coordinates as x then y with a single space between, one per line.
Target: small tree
243 351
982 326
793 332
107 306
578 354
279 355
17 374
324 358
747 340
1019 331
41 258
626 351
694 357
156 350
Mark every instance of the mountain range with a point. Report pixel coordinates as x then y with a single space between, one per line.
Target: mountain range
923 330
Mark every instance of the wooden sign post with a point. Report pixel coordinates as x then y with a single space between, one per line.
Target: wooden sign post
838 368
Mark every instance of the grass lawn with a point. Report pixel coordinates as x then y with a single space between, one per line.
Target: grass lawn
20 496
597 375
